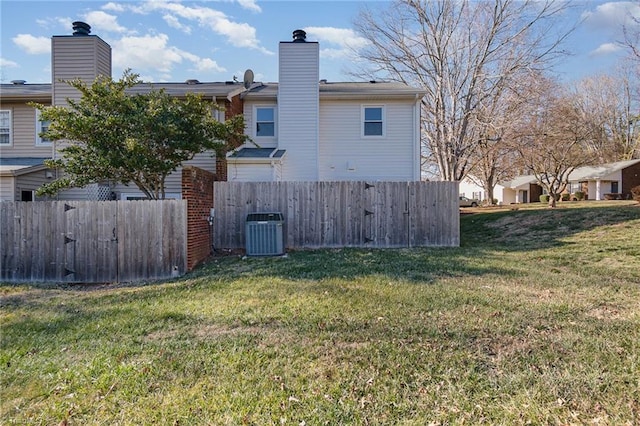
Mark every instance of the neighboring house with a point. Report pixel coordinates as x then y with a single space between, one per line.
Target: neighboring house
522 189
22 151
469 188
612 178
594 181
304 128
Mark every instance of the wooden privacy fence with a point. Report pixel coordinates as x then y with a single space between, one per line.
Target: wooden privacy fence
92 241
342 214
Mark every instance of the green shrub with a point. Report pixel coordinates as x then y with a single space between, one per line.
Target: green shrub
579 195
635 192
566 196
544 198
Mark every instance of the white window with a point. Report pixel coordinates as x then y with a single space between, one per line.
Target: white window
41 126
5 127
373 120
265 121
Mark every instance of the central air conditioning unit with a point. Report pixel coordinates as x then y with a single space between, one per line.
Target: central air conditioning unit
264 234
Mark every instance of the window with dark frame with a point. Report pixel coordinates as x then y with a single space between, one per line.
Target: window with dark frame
373 121
265 122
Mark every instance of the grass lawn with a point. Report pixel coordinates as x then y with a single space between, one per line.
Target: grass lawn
534 319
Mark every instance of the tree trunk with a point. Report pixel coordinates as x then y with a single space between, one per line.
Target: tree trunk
490 195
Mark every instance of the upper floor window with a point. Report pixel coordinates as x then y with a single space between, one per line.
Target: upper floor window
41 126
5 127
265 121
373 121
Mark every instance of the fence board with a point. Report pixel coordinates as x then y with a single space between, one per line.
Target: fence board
90 241
339 214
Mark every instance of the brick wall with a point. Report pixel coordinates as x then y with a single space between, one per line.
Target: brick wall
630 179
197 189
232 107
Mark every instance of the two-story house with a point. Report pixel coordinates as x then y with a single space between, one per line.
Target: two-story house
303 128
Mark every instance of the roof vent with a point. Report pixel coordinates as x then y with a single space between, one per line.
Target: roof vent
323 81
299 36
18 82
192 81
81 28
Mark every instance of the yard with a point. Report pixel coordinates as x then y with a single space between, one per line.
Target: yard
535 318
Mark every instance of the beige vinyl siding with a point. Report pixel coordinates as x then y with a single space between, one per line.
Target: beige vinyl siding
346 155
23 133
7 188
31 182
205 160
173 183
84 57
298 104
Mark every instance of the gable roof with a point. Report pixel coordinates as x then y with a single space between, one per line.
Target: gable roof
520 180
600 171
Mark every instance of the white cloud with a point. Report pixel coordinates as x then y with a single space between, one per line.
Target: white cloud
103 21
606 49
238 34
152 54
173 22
613 15
206 64
346 41
250 5
33 45
145 53
66 23
5 63
114 7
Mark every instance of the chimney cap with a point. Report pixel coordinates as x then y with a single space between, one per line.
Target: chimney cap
299 36
81 28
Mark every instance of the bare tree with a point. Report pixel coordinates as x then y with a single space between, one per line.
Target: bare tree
464 54
552 139
493 159
608 102
632 37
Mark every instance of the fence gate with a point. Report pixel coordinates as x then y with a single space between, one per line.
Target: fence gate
386 215
91 242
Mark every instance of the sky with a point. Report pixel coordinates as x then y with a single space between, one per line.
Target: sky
167 40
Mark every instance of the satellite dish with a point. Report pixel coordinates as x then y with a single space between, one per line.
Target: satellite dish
248 79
